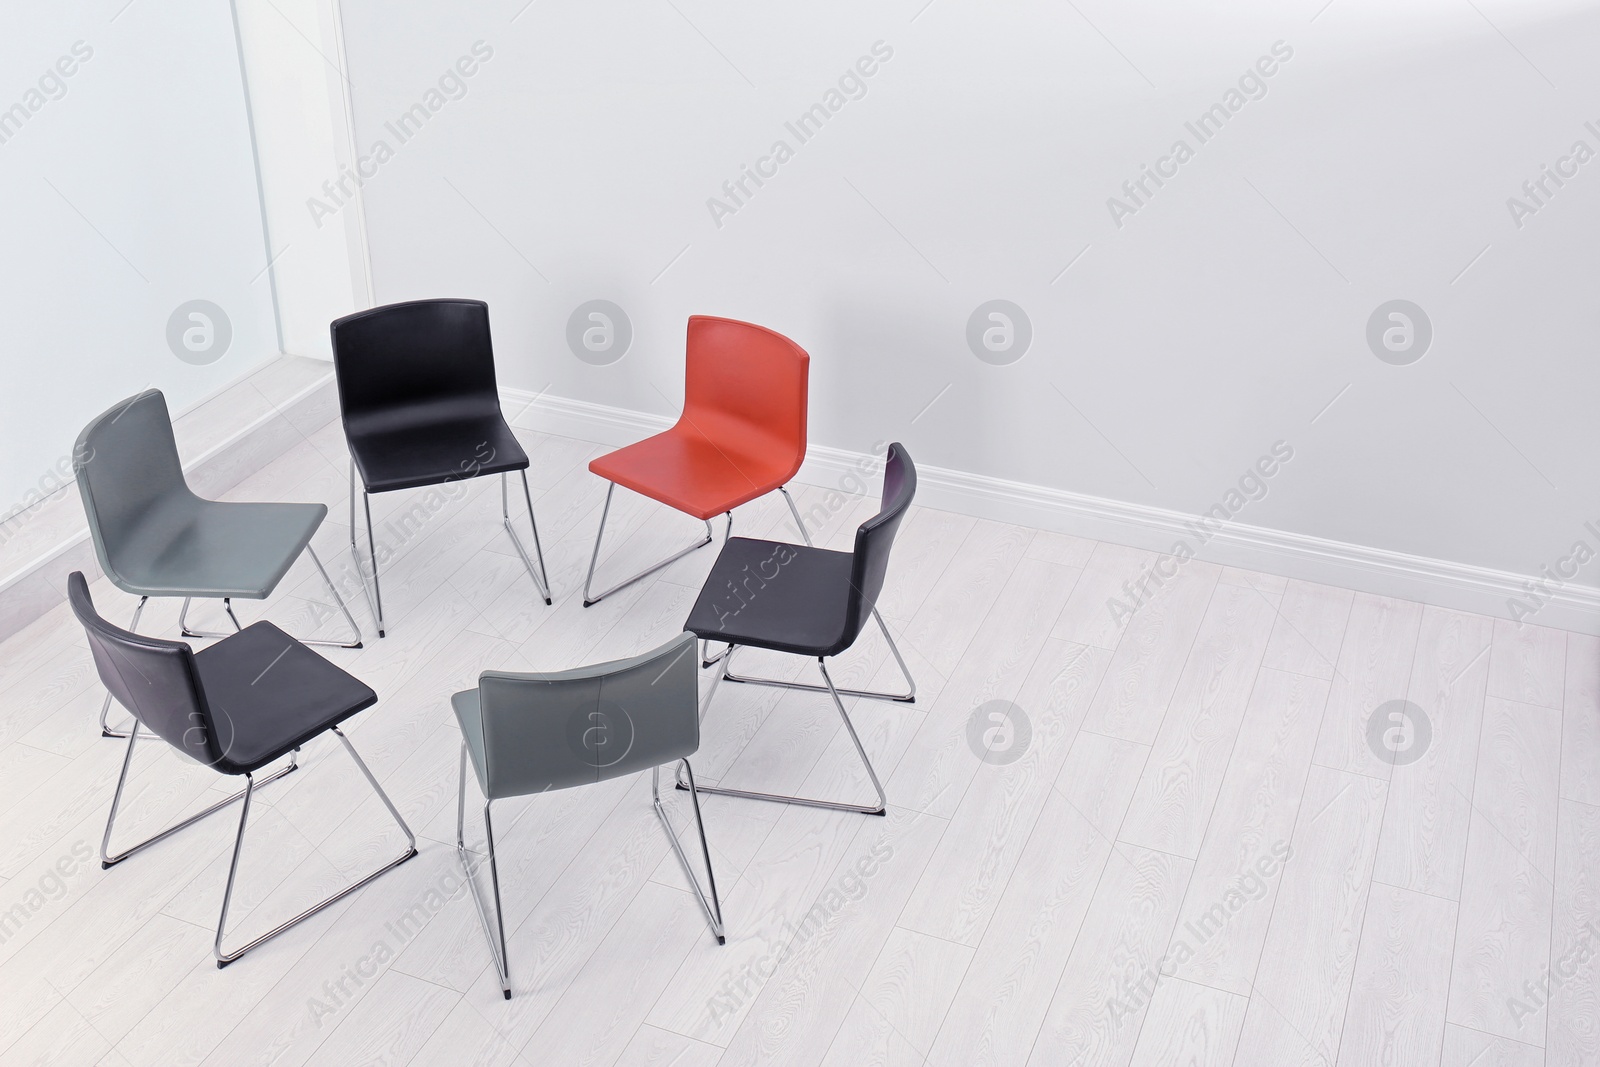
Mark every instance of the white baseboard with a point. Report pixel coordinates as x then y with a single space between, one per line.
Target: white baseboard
1460 586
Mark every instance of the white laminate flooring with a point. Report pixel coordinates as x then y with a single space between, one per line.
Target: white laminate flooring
1187 849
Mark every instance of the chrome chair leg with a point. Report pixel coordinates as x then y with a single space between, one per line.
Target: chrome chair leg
716 680
908 697
227 606
541 578
711 661
589 598
343 607
185 630
784 489
881 808
105 708
226 957
108 860
373 592
497 935
713 906
706 658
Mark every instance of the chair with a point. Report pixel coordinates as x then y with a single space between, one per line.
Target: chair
807 602
212 707
528 733
156 538
742 434
420 407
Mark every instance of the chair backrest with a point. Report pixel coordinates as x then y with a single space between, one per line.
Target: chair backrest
156 680
875 537
747 383
126 462
399 363
553 730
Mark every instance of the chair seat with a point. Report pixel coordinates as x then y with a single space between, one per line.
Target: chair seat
684 469
390 457
191 547
268 693
768 594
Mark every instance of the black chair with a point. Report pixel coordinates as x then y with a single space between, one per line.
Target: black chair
808 602
246 701
420 407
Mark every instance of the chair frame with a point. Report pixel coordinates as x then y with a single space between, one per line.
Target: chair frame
591 599
726 674
374 593
227 956
495 932
227 605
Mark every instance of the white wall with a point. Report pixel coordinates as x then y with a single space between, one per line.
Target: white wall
1220 318
129 190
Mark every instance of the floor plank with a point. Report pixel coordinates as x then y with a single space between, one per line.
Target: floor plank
1239 869
1149 660
1191 750
1526 663
1297 1007
1503 936
1573 1031
1424 842
1189 1024
1580 721
1104 994
1464 1047
1374 667
1402 980
1309 629
1007 989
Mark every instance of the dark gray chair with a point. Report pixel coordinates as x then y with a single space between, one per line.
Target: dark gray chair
248 700
807 602
155 538
530 733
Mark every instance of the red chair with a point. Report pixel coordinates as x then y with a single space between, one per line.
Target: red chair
742 434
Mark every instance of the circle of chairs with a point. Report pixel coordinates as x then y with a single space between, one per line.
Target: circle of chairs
419 405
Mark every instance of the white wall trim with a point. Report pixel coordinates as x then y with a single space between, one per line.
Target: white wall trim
1461 586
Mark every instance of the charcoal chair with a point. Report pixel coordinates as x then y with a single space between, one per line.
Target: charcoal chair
155 538
420 407
808 602
529 733
243 703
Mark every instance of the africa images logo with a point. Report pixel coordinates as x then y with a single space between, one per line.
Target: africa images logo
999 732
1399 732
199 332
600 734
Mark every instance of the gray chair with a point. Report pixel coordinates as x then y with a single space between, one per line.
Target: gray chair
155 538
530 733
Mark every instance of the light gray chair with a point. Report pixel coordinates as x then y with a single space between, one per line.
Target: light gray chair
530 733
155 538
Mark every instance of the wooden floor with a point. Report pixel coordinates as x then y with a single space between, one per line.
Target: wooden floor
1192 852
